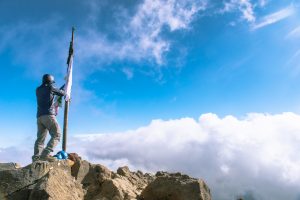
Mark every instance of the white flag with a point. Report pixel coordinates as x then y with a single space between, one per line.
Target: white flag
68 84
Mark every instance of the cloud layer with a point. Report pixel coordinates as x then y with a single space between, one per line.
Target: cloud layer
256 156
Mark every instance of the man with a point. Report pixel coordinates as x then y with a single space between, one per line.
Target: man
46 120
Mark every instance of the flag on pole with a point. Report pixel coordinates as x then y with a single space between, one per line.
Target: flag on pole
68 77
68 85
68 91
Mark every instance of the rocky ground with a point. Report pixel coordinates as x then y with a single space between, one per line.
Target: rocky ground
81 180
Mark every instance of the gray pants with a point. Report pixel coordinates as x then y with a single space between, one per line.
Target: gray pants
46 123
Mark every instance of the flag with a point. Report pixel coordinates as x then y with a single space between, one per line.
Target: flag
69 77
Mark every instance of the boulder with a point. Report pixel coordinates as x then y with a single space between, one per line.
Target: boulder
117 189
57 184
80 170
9 166
138 179
101 183
86 181
18 183
175 187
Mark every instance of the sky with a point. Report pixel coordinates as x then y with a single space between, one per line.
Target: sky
206 87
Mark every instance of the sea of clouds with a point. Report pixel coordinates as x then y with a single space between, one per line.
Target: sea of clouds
256 156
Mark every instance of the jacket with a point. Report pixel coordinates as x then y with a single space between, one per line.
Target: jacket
45 99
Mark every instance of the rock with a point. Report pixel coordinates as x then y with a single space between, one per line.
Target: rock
57 184
86 181
175 187
118 189
102 173
134 178
18 183
9 166
91 177
80 169
74 157
70 162
101 183
123 171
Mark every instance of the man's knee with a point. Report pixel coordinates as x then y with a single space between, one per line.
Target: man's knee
56 137
40 141
57 134
55 130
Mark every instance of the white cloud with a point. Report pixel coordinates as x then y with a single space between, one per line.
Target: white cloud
247 9
21 155
128 72
142 33
34 44
293 63
253 156
152 15
295 33
256 154
263 3
274 17
244 6
138 36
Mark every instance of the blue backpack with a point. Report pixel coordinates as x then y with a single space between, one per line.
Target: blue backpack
61 155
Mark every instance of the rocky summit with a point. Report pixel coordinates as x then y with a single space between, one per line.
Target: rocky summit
81 180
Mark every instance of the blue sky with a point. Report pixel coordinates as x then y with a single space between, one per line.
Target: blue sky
217 57
137 61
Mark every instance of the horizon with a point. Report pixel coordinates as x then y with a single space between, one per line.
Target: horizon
206 81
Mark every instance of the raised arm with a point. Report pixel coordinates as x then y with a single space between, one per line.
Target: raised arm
58 92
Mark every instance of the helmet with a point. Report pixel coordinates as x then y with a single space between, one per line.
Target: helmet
48 79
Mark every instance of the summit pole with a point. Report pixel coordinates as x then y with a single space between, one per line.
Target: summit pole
67 101
65 129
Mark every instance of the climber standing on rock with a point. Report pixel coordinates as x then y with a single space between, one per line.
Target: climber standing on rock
46 120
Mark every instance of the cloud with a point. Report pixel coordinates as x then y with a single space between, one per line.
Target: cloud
247 9
138 35
244 6
293 63
16 155
128 72
274 17
147 24
141 34
254 156
263 3
295 33
35 44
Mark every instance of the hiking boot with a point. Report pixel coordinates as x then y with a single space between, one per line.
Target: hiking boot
48 158
35 158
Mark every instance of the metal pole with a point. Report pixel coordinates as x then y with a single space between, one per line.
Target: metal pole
65 129
66 113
